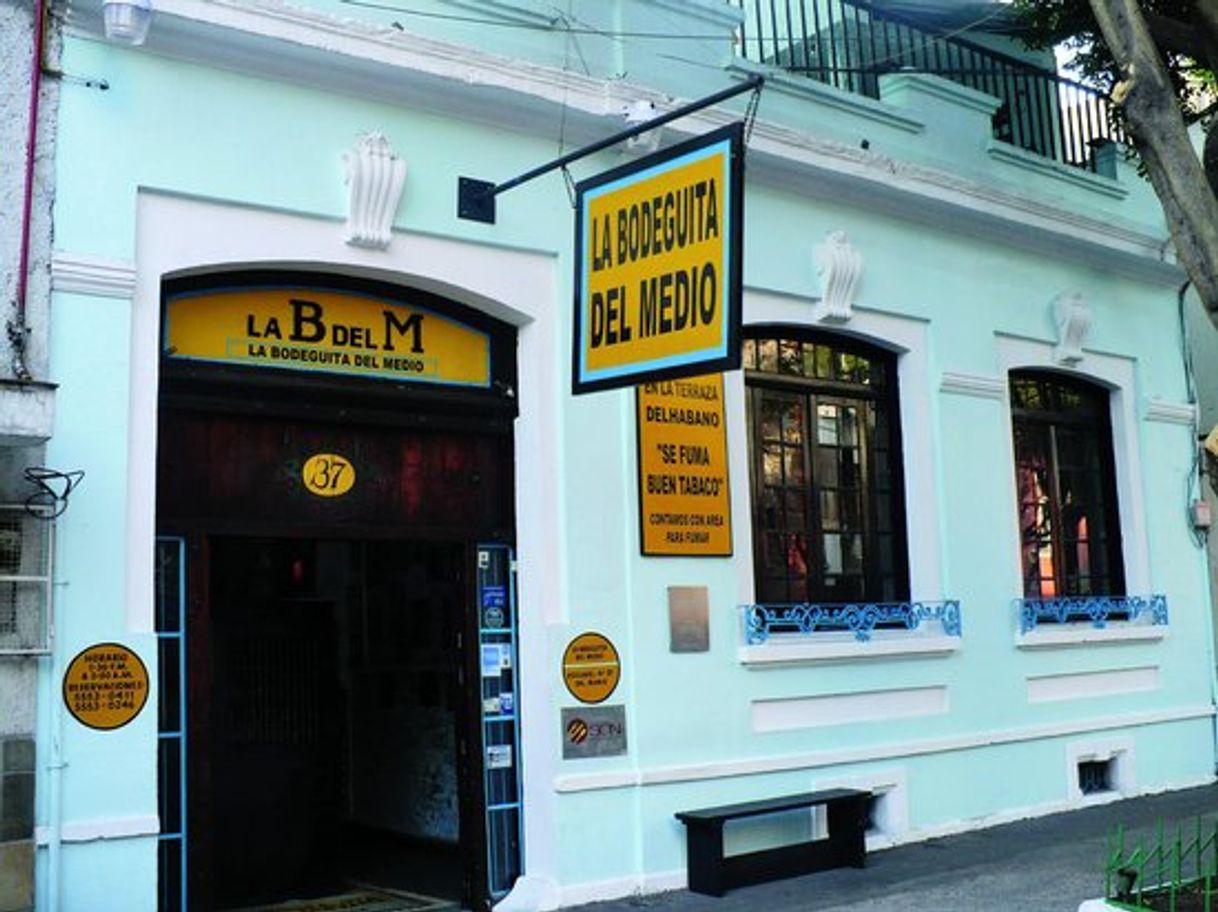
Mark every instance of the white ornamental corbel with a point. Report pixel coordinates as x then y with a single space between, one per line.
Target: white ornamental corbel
636 113
1073 318
375 178
840 269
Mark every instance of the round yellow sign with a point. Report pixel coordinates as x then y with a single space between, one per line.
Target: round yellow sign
591 668
328 475
105 686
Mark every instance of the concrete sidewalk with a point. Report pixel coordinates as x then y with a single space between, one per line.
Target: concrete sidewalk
1050 864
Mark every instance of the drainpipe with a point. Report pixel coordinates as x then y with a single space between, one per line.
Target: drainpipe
18 328
18 335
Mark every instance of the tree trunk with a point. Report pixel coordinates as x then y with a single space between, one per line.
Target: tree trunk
1160 136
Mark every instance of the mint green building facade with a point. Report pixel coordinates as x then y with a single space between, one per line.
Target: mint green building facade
895 228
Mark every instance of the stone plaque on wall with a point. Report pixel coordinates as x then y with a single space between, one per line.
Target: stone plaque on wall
688 619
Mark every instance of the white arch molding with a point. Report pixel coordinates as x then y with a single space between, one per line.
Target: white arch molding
176 235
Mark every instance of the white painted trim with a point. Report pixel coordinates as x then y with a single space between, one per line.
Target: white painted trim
978 385
81 274
102 828
822 710
177 233
782 82
836 647
582 782
908 337
1162 410
1105 684
580 894
1029 812
1082 633
891 786
941 89
274 39
1118 374
1028 161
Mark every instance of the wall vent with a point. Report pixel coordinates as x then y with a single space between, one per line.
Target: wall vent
1096 776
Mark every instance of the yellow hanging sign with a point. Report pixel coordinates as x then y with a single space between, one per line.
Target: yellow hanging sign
334 332
684 502
658 250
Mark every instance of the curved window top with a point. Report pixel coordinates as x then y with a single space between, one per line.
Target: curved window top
812 358
1058 397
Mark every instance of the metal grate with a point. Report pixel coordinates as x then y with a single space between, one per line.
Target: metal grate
25 580
1094 776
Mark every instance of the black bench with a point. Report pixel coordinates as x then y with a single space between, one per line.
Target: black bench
711 873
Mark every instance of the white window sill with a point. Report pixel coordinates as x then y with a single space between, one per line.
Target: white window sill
844 647
1085 634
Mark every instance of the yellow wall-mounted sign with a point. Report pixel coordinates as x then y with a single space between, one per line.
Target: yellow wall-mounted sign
334 332
658 250
684 502
591 667
328 475
105 686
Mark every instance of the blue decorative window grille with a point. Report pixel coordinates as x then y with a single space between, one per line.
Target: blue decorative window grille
1098 610
862 618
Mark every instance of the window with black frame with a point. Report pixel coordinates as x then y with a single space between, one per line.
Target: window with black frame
825 457
1069 530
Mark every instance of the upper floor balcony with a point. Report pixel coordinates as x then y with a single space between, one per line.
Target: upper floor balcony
851 44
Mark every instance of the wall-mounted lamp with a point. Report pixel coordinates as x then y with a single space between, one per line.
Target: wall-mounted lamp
127 21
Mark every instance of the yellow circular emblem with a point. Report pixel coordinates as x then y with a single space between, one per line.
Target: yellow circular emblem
591 668
328 475
105 686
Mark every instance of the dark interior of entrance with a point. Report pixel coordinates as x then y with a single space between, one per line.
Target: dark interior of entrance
334 715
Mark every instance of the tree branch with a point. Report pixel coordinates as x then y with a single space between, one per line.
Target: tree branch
1161 139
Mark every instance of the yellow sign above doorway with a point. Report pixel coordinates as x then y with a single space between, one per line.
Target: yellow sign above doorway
327 331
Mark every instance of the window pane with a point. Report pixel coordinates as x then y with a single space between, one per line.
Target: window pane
852 553
793 463
797 557
769 515
833 553
767 355
830 515
795 518
749 354
826 424
824 362
809 360
849 426
771 417
826 468
771 464
774 558
852 511
790 360
793 421
848 469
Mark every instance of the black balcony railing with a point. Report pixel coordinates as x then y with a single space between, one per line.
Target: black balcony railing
849 44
